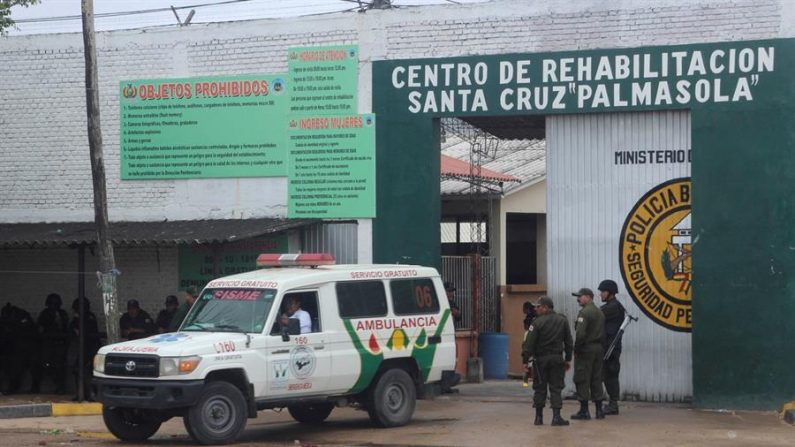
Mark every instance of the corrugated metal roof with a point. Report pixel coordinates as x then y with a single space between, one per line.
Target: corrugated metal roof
524 160
455 168
144 233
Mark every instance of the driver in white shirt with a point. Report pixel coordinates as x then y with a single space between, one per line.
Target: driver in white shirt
295 311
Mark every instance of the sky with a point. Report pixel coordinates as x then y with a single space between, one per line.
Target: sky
63 16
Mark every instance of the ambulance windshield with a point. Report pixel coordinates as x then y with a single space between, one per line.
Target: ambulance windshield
230 310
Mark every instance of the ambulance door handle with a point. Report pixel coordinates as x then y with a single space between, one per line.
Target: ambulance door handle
318 348
435 339
281 351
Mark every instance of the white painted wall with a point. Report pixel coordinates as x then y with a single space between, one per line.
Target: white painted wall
45 171
44 167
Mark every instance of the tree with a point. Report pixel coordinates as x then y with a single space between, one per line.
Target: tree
107 264
5 12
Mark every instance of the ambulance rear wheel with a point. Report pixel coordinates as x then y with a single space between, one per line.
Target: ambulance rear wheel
392 399
310 414
129 424
219 416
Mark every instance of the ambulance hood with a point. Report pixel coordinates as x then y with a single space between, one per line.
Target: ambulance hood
178 344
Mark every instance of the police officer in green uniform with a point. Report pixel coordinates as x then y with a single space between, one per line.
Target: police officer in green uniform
614 315
588 352
548 340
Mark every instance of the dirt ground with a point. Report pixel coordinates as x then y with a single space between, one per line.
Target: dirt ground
491 414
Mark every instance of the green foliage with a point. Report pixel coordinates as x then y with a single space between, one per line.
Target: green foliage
5 12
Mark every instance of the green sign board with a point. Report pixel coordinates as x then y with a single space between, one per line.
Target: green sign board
196 263
331 166
566 82
226 126
323 80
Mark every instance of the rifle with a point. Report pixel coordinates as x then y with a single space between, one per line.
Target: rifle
627 319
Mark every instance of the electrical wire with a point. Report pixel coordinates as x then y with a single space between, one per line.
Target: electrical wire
46 272
233 10
124 13
362 5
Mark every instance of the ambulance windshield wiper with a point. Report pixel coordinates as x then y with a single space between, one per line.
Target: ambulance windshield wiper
235 329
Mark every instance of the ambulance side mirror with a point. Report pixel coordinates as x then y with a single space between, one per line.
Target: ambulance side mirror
293 327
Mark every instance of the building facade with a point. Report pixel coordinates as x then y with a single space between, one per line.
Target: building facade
738 154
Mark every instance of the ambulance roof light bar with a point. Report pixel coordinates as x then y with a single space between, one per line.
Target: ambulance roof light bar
295 260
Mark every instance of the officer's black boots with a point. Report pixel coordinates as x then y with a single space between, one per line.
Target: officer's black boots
600 414
584 414
557 420
539 416
612 408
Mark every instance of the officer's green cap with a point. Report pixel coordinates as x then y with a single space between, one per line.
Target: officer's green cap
545 301
583 291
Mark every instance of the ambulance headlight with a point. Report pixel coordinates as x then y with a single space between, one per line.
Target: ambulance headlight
99 363
168 366
173 366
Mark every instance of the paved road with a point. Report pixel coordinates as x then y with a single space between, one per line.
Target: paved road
495 413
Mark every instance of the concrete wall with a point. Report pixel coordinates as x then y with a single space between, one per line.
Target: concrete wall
44 168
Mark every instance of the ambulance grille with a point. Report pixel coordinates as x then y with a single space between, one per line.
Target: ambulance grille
132 365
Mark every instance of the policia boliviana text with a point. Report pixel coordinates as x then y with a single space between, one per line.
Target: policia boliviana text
548 339
588 352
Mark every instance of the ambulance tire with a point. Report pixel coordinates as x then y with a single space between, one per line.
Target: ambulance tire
186 423
392 400
219 416
130 425
311 414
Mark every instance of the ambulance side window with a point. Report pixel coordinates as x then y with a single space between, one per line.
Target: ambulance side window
361 299
414 296
309 304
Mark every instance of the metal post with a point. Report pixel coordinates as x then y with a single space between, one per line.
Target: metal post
477 286
81 292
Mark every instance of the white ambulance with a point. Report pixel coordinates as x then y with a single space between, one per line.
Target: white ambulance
308 336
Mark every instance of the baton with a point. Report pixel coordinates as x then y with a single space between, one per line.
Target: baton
627 319
538 371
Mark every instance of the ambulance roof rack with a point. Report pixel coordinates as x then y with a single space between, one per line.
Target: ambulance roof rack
295 260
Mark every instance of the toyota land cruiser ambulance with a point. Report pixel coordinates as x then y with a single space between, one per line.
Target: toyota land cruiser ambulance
308 336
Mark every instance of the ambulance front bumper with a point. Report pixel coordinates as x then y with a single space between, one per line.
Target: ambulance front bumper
147 394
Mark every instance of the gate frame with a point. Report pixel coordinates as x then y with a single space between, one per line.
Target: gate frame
760 264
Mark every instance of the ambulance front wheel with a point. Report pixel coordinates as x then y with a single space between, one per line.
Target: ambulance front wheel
392 399
219 416
130 425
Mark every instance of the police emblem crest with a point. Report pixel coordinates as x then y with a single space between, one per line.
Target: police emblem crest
656 254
